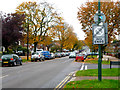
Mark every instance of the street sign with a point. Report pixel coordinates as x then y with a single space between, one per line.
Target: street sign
100 16
98 34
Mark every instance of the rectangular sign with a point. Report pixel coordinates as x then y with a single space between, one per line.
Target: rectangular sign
98 34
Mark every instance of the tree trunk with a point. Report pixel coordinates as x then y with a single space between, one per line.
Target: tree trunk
35 45
61 48
6 49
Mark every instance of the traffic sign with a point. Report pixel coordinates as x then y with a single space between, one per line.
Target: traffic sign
99 34
99 16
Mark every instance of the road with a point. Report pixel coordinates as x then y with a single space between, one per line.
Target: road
46 74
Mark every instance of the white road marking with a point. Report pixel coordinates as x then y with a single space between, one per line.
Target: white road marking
4 76
85 67
82 66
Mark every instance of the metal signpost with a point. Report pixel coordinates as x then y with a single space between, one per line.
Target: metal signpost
100 36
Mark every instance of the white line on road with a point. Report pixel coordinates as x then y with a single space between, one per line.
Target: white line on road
82 66
85 67
4 76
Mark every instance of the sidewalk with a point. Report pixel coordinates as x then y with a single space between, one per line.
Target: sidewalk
111 58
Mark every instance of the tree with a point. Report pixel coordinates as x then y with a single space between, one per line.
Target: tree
40 18
11 29
110 9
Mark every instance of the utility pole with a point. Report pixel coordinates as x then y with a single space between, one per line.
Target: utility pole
99 46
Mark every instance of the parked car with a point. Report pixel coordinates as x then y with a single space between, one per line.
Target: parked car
63 54
46 54
67 53
72 55
57 54
52 55
11 60
39 50
79 57
37 56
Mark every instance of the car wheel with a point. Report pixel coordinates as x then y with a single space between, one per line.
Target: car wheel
21 63
40 60
10 65
43 59
14 63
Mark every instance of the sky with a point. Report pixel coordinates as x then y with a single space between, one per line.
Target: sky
67 8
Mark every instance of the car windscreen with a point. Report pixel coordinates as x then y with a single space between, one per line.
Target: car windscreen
79 55
7 56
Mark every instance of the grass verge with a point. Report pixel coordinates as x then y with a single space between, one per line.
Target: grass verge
25 60
96 61
105 83
94 72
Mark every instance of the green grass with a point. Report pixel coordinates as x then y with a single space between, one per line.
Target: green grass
90 56
25 60
96 62
105 83
94 72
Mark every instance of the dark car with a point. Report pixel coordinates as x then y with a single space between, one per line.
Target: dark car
11 60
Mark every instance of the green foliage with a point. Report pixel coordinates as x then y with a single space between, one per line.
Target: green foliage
25 60
20 48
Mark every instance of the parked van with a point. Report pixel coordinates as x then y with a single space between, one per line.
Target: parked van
46 54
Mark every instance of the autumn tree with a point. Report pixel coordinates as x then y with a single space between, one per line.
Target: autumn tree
111 10
40 18
11 29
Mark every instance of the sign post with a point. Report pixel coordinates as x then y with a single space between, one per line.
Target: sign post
100 59
100 36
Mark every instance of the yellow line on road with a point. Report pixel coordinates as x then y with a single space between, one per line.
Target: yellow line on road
63 82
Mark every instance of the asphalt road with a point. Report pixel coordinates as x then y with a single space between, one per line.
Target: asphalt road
46 74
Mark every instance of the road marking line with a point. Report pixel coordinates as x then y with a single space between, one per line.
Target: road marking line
85 67
82 66
4 76
63 82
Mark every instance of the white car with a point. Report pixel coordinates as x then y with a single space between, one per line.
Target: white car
72 55
37 56
52 55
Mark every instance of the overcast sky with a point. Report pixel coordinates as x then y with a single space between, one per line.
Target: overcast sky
68 8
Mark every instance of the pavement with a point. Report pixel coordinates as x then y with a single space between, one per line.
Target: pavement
111 58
